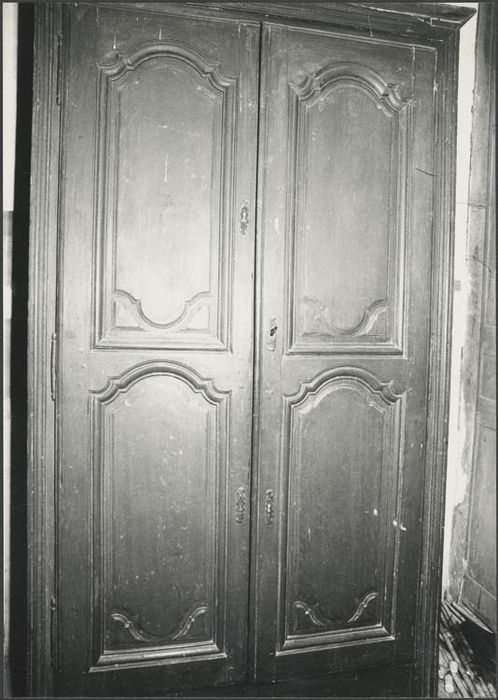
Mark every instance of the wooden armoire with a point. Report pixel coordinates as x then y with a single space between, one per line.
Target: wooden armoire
241 255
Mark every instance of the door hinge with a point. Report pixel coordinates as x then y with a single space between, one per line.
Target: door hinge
53 631
53 365
59 70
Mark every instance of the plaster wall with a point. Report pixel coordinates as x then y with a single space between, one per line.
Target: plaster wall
9 64
458 472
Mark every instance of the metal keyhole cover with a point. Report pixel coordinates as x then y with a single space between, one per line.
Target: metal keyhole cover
272 335
240 505
269 506
244 217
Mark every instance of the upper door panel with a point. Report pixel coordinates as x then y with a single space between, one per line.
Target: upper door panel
347 210
166 123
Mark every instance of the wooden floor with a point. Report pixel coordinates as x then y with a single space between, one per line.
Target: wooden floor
467 656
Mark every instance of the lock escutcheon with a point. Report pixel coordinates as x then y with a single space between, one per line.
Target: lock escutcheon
244 217
269 506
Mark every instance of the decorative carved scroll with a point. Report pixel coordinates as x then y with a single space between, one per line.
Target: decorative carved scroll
319 620
141 635
315 618
367 599
364 325
135 309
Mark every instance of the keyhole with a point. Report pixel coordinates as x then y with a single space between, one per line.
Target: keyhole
244 217
272 340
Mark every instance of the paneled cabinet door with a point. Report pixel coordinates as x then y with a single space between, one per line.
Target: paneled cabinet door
347 194
155 350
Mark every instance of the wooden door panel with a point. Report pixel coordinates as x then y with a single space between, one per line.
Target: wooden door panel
343 435
155 353
160 480
346 220
346 293
165 174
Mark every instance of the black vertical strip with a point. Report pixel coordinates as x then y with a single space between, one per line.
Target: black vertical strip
18 362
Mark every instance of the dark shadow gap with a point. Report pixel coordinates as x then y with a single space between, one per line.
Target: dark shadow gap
18 360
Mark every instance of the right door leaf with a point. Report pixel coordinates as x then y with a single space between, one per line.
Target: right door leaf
347 209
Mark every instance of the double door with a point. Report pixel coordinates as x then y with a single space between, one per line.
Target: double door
243 305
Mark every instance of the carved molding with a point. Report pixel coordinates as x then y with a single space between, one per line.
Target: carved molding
366 323
150 368
353 375
115 64
143 331
141 635
192 306
315 617
319 620
364 603
410 20
354 74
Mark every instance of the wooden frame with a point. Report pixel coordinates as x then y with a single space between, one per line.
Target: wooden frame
431 24
439 370
41 324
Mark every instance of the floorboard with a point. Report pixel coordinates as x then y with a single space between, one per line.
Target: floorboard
467 655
